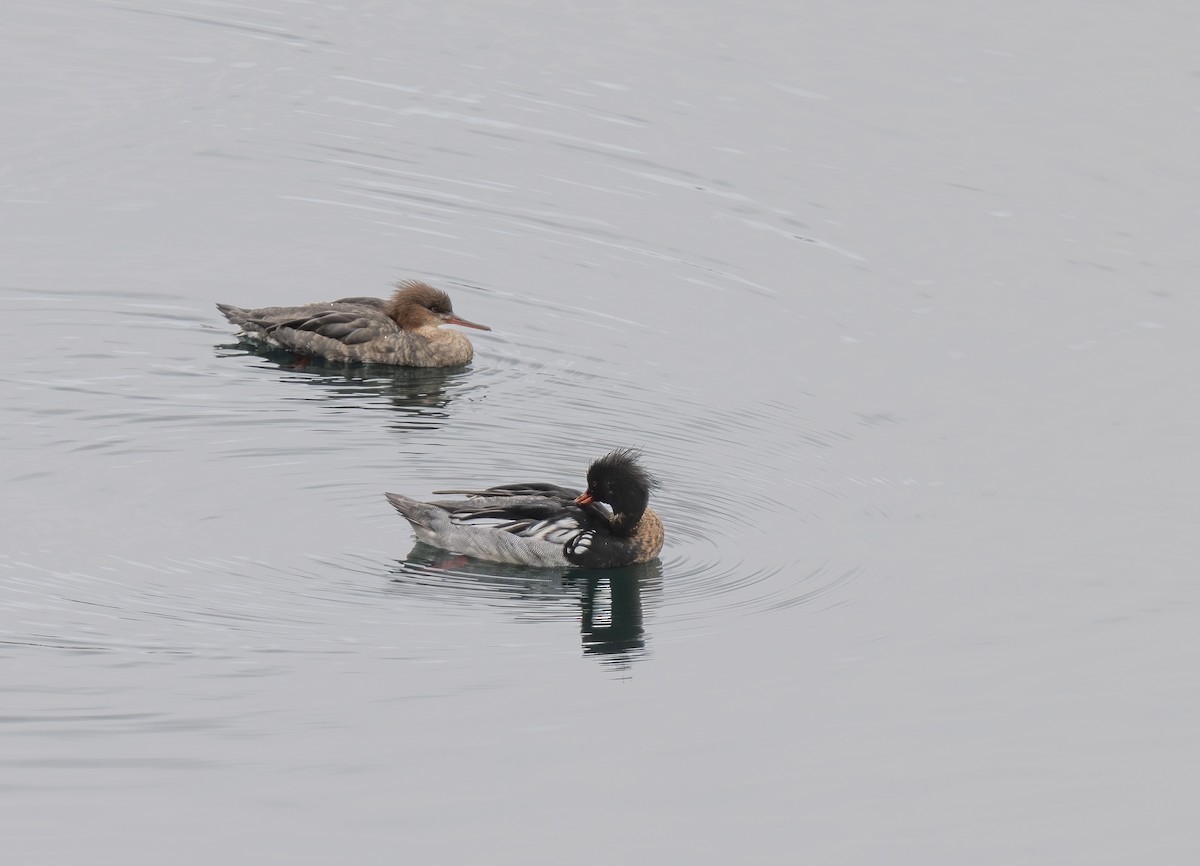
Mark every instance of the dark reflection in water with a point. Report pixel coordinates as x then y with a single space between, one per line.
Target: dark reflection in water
609 603
611 624
421 394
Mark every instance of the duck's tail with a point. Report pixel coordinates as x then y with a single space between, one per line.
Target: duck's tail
419 514
234 314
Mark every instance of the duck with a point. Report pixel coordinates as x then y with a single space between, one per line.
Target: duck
403 330
544 525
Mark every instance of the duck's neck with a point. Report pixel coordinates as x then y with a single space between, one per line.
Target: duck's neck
625 522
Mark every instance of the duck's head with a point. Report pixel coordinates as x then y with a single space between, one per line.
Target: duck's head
418 305
618 480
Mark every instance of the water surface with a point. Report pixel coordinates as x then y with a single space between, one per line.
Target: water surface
895 305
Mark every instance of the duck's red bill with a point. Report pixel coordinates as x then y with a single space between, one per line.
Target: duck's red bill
455 320
584 499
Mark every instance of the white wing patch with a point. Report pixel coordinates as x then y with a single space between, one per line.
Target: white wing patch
581 543
556 530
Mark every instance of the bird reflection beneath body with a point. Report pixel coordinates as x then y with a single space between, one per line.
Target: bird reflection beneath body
421 395
611 624
608 604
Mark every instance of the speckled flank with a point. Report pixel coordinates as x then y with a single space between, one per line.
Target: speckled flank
425 347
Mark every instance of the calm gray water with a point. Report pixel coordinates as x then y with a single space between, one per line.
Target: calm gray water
898 301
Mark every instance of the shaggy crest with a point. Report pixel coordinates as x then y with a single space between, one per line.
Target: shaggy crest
413 301
620 468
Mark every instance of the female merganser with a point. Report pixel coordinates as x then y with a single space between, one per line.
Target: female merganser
402 330
547 525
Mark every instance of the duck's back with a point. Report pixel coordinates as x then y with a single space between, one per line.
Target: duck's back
259 318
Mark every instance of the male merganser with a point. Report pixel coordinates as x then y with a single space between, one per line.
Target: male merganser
547 525
402 330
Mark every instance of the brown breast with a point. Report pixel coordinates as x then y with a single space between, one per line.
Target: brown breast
648 537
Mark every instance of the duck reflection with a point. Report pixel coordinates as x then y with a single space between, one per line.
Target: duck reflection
608 603
611 624
421 394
